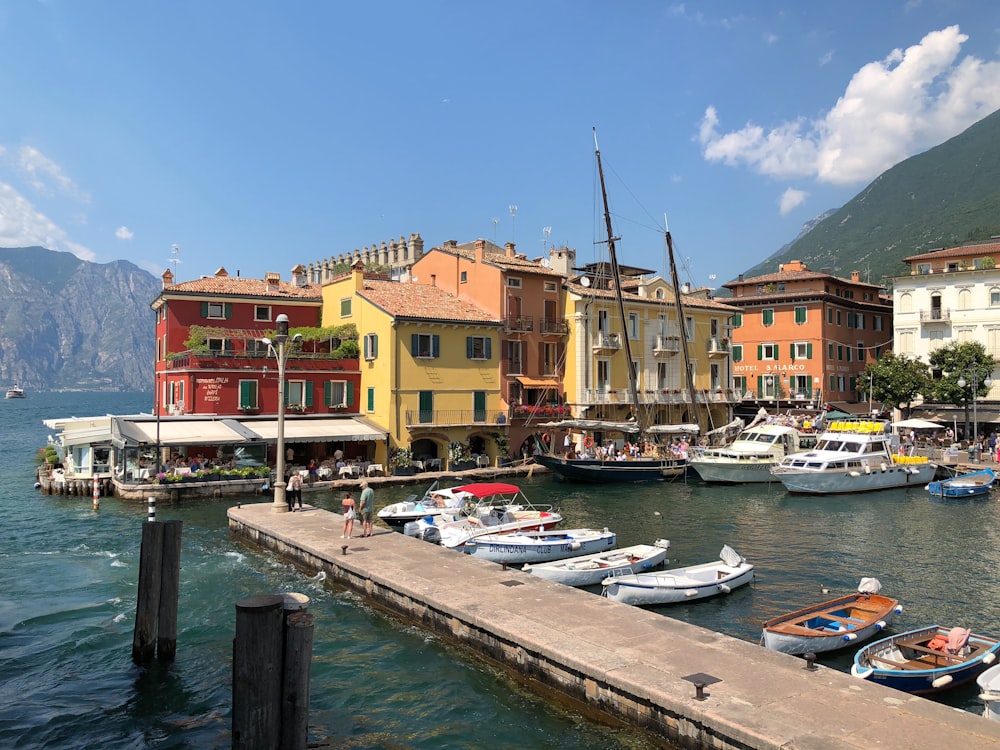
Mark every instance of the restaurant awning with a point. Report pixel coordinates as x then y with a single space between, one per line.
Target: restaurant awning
349 429
179 432
537 382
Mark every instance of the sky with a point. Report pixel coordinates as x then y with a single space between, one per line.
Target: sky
253 136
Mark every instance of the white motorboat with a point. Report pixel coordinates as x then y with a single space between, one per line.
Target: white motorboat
681 584
989 692
590 570
853 456
749 457
499 509
539 546
15 391
434 502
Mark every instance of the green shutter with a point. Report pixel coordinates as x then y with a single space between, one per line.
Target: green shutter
760 386
435 346
488 348
328 393
371 399
309 393
468 347
738 320
760 352
791 351
415 344
245 394
204 309
349 398
809 350
229 310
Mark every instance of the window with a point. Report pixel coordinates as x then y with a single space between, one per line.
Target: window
738 320
514 282
767 317
829 351
767 351
256 346
551 356
633 326
479 406
550 286
425 345
216 310
463 277
218 346
338 393
740 383
923 268
861 351
876 322
838 318
370 400
840 352
995 298
478 347
248 394
514 358
661 375
802 350
299 393
426 408
345 307
261 312
737 352
371 346
603 374
800 315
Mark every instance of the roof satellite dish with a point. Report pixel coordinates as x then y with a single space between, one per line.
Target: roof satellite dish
414 279
585 281
545 263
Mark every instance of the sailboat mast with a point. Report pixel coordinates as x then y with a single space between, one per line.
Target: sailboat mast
616 275
680 319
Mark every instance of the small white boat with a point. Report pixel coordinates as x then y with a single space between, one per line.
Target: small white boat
681 584
847 620
539 546
590 570
989 692
15 391
853 456
974 484
434 502
749 457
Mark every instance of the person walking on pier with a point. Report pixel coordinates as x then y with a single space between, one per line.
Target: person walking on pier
348 505
294 491
366 507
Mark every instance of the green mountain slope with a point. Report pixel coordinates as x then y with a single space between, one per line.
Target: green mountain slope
940 198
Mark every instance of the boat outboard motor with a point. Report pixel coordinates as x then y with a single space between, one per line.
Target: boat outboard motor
432 534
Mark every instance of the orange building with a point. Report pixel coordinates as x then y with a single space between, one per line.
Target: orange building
804 337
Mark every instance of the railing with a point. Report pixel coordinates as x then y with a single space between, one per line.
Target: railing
555 326
935 315
191 360
718 346
607 341
662 396
442 417
667 345
519 323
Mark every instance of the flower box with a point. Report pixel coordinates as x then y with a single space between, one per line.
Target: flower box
404 471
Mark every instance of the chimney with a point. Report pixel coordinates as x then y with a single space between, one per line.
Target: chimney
740 278
222 273
358 275
508 250
480 250
562 260
272 280
855 276
168 278
299 275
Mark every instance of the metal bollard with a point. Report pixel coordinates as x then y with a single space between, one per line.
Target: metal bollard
699 691
810 661
152 509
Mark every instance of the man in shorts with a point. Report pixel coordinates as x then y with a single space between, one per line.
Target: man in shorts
366 510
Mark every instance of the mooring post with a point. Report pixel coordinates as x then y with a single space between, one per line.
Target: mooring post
151 514
170 581
97 494
299 628
258 651
148 597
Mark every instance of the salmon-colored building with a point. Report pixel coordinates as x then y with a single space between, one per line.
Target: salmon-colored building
804 337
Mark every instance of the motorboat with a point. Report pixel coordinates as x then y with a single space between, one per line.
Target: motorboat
974 484
989 691
499 508
845 621
926 660
590 570
434 502
539 546
15 391
700 581
853 456
749 457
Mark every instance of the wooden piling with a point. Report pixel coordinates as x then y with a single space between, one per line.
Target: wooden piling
148 597
170 577
257 672
295 680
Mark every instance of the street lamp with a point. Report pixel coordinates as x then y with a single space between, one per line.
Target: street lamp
281 337
975 386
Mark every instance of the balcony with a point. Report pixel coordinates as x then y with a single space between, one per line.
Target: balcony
718 347
666 346
247 360
554 327
607 343
935 315
519 324
437 418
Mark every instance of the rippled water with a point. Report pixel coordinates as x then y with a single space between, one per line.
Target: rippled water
68 579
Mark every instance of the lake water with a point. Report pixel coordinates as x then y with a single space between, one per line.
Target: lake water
68 581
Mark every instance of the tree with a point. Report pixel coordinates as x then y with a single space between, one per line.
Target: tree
968 362
896 380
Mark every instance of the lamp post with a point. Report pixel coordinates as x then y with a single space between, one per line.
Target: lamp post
281 355
975 386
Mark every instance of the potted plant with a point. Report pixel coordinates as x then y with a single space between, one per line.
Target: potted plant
248 409
460 457
503 448
401 462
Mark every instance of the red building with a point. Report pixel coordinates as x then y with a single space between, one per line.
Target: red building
211 357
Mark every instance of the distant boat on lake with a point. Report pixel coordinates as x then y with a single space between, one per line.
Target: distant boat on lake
15 391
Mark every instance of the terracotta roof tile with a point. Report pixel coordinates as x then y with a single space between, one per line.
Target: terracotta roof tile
965 251
631 297
239 286
787 276
499 258
422 302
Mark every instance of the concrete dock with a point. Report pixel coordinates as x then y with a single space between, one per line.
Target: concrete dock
626 663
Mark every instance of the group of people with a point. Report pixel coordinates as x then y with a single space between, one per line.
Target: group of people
364 509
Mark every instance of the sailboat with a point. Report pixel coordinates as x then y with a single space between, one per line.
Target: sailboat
639 468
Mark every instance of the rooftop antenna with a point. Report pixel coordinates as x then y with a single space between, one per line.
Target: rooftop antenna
495 222
513 215
546 233
175 251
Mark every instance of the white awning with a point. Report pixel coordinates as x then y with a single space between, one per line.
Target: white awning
180 432
309 430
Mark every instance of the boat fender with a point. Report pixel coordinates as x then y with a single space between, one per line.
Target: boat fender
898 609
574 546
868 469
989 658
941 681
691 592
880 625
861 672
883 466
724 588
850 637
854 474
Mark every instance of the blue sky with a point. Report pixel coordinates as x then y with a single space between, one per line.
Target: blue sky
256 135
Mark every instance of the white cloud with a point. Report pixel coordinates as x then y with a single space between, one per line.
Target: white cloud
891 109
124 233
791 199
826 59
22 225
45 175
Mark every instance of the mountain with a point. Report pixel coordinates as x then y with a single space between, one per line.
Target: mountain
67 324
940 198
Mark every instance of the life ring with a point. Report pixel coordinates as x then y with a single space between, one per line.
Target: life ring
546 438
588 442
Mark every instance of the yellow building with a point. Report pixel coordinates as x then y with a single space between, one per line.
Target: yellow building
429 373
596 377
